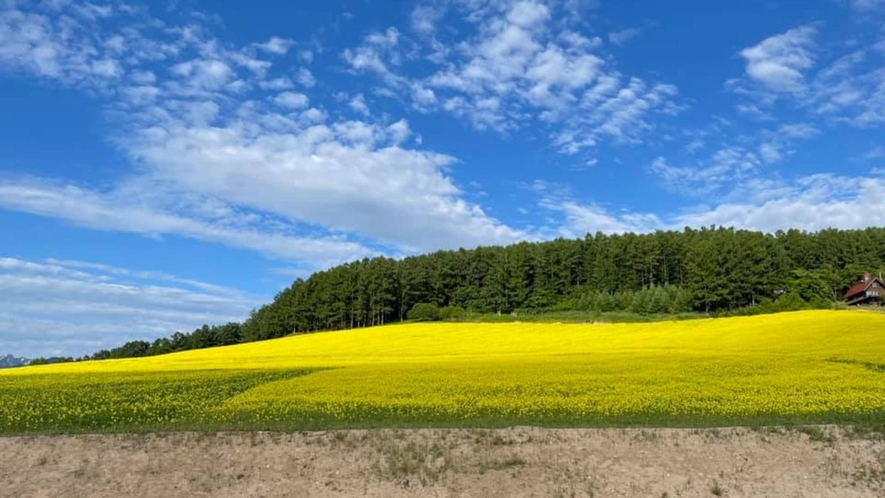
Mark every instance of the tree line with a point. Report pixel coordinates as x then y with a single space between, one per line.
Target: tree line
711 270
707 270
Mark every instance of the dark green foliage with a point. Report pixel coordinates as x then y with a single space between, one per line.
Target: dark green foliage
424 312
203 337
811 285
50 361
540 316
712 270
786 302
132 349
650 300
451 313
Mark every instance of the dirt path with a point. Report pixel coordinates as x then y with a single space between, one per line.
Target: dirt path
500 463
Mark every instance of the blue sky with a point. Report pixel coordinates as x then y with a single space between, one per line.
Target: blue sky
171 163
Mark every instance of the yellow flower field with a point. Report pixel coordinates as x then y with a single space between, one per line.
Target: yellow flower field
813 366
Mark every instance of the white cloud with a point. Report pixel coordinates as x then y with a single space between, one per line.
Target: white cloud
399 131
292 100
851 90
578 219
581 219
387 39
812 203
142 77
753 111
426 16
695 145
770 152
724 167
790 67
277 84
528 14
374 55
314 116
322 175
623 36
799 130
204 74
118 272
276 45
877 152
216 159
305 78
865 6
514 62
779 62
736 161
56 307
37 44
358 104
56 40
127 210
106 68
201 129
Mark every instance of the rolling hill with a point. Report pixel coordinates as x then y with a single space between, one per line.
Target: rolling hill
812 366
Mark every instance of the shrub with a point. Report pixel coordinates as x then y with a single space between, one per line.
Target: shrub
790 301
451 313
424 312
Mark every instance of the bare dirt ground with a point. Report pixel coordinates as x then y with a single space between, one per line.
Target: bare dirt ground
820 462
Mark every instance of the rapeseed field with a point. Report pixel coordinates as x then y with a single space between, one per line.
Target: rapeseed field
802 367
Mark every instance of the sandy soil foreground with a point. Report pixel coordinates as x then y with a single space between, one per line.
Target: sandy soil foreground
390 463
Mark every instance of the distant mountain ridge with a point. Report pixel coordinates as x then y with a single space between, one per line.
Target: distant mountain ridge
10 361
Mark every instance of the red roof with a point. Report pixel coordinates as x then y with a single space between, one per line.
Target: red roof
858 288
863 286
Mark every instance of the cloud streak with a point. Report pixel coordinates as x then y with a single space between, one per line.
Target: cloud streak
54 307
113 212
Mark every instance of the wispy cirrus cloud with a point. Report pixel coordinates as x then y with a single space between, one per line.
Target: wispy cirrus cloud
867 6
789 67
876 152
623 36
722 169
735 161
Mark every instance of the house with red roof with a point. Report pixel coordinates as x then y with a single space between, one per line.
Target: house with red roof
869 291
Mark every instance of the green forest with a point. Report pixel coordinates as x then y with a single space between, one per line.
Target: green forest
709 270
